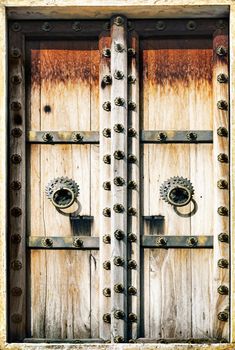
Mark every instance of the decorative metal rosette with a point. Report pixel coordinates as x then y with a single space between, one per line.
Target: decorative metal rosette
62 192
177 191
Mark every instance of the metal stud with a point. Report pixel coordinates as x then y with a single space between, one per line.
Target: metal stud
16 132
16 291
107 106
132 290
118 288
118 47
16 212
47 137
16 106
222 78
191 25
222 131
107 318
161 241
16 27
16 79
119 21
15 185
107 239
132 237
119 181
222 184
223 105
76 26
160 25
118 128
106 132
16 158
223 263
118 339
162 136
131 52
15 238
223 237
132 264
131 79
106 52
132 317
131 106
16 265
118 261
223 290
118 208
106 265
132 185
132 132
119 235
119 154
15 52
107 159
132 211
119 75
107 80
119 101
223 316
77 242
77 137
16 318
131 158
46 27
223 158
192 241
119 314
107 185
107 292
107 212
47 242
223 211
221 51
191 136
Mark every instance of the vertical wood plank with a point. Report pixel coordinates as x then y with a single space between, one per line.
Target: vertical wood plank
221 171
134 194
105 195
17 207
119 168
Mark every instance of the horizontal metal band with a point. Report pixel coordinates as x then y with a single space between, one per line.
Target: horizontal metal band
177 340
176 242
72 341
63 137
87 242
173 136
146 136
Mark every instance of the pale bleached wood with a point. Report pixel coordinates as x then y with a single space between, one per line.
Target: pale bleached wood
67 312
133 223
221 197
104 196
118 168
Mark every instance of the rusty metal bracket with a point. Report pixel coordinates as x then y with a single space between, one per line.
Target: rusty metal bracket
74 242
173 136
176 241
76 137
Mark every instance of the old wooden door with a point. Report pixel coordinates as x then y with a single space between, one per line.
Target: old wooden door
118 181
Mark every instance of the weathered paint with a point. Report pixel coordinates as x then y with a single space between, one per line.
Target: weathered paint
101 9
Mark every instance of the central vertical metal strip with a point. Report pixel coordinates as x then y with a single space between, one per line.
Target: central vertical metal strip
119 169
221 184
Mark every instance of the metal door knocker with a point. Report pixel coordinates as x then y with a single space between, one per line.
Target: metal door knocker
178 192
63 193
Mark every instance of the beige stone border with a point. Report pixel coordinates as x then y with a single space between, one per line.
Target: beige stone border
25 9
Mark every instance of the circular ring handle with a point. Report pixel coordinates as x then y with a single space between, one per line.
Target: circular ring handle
179 196
63 198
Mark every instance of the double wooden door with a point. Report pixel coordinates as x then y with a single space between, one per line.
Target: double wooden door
136 114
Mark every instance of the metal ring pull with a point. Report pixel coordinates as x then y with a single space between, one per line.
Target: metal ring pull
177 191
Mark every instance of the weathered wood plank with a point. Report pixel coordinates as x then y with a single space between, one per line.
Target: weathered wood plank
119 168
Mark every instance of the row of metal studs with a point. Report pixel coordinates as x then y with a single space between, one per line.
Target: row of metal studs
222 184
